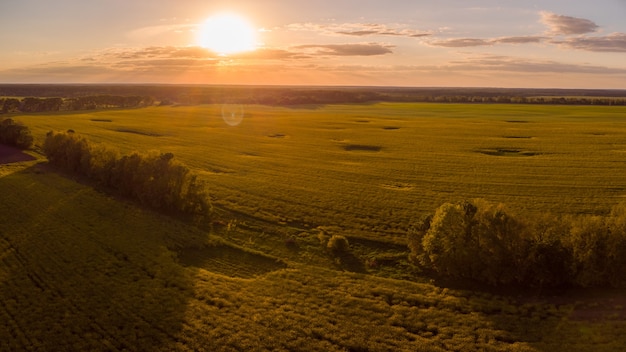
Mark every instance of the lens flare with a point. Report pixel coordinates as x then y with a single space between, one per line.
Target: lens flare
232 114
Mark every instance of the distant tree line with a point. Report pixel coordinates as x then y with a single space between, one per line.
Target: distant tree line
80 97
33 104
487 242
15 134
154 179
286 97
507 99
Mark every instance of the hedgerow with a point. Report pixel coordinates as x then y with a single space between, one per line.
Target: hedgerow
489 243
154 179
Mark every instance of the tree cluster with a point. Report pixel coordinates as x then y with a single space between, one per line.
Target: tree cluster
35 104
154 179
488 243
15 134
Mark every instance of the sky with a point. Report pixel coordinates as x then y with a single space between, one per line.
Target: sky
413 43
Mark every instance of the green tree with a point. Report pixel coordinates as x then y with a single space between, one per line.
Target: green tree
616 246
415 239
498 236
15 134
449 245
588 241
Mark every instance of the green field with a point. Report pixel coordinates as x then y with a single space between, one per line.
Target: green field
371 169
82 270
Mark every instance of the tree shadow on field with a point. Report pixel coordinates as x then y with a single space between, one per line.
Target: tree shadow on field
10 155
349 262
542 319
85 272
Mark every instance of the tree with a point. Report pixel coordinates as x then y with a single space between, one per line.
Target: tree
155 179
416 237
588 241
15 134
499 235
449 245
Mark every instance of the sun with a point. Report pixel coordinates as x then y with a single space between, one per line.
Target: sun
227 33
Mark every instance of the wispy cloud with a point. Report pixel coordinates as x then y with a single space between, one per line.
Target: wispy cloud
566 25
153 31
469 42
359 29
160 60
461 42
517 64
519 39
367 49
615 42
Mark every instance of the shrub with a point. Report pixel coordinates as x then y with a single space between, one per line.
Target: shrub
15 134
338 244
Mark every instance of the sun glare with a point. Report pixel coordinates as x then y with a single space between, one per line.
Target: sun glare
227 33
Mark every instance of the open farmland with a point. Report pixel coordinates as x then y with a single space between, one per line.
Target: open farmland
82 271
371 169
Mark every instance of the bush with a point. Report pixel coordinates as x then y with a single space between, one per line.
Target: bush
338 244
15 134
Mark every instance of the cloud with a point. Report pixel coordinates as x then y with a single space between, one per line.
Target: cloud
461 42
519 40
367 49
523 65
566 25
469 42
193 58
155 62
152 52
358 29
615 42
270 54
153 31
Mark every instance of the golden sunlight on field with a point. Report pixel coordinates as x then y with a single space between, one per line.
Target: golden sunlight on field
227 33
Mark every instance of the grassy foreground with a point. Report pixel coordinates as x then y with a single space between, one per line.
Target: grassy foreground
82 271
